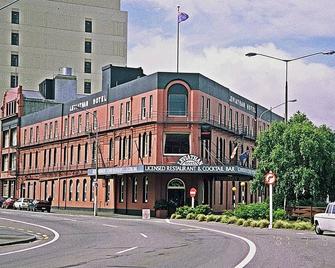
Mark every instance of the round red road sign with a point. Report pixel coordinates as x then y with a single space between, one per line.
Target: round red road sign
193 192
270 178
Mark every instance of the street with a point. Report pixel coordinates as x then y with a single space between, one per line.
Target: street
86 241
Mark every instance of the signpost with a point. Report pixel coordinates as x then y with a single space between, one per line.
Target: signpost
145 214
270 178
193 193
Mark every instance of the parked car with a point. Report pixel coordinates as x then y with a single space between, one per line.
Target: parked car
8 203
40 205
2 199
22 203
325 221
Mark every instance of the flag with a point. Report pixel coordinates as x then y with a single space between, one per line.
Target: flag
244 156
182 17
234 152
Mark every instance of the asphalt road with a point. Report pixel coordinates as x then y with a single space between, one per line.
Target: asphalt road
86 241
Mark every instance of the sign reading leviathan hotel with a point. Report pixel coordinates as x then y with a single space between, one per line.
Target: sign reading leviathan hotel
186 164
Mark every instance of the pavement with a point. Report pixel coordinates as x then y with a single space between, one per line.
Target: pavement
10 236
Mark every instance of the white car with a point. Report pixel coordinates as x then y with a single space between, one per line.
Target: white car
325 221
21 203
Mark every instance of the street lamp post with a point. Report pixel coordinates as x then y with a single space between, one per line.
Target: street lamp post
242 190
252 54
234 201
272 108
96 135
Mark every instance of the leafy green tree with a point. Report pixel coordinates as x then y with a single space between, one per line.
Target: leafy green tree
303 157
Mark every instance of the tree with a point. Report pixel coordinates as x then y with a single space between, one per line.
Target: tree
303 157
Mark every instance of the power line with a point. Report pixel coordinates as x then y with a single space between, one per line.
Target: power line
1 8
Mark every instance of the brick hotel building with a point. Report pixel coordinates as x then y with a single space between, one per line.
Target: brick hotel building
157 136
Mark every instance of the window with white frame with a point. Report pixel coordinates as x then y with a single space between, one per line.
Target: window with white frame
145 189
220 113
121 114
177 143
121 190
143 108
151 100
134 192
111 120
79 123
128 112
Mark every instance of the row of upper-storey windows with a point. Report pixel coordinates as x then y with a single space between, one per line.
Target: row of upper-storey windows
9 138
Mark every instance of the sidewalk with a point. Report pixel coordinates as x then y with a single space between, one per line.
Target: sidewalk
90 213
11 237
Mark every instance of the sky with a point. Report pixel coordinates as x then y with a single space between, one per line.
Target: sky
218 34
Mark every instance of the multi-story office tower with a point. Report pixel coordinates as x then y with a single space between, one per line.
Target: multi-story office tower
39 37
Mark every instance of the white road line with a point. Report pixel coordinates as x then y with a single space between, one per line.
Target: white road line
123 251
252 246
109 225
145 236
69 220
39 246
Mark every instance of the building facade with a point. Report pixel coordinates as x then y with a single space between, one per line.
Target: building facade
40 37
153 137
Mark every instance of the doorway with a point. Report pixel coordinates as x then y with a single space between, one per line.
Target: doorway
176 192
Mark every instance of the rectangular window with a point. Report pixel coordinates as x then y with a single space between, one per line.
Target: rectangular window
177 144
15 39
46 131
36 159
143 108
248 125
88 26
224 115
121 114
128 112
79 123
236 121
87 87
230 118
50 131
15 17
72 125
150 106
14 60
12 164
202 107
87 67
31 135
5 140
88 46
220 114
56 129
14 80
111 121
87 122
208 109
107 190
66 127
95 120
13 137
25 136
37 134
5 162
242 122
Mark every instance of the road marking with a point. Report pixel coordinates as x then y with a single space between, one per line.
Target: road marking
145 236
189 229
123 251
56 236
252 246
69 220
109 225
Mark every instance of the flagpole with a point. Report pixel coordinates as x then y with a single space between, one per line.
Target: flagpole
178 7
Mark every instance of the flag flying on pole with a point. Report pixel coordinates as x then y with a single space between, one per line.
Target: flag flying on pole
182 17
234 152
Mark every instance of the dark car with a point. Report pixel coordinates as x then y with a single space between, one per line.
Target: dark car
8 203
40 205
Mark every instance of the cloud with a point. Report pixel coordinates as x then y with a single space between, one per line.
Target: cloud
259 79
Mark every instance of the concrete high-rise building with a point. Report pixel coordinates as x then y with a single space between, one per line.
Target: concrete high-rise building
39 37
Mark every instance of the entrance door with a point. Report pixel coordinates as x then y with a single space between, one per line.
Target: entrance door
176 192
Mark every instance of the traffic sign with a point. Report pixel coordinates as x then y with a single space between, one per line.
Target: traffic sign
270 178
193 192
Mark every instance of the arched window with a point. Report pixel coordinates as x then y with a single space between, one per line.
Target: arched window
177 100
55 156
85 153
71 155
34 191
84 189
77 190
78 154
139 146
64 156
145 189
28 192
150 142
70 190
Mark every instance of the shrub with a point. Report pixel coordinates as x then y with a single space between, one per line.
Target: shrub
302 225
183 211
202 209
279 224
178 217
218 218
253 211
201 217
228 213
211 217
247 223
232 220
254 223
263 223
190 216
240 221
224 219
173 216
279 214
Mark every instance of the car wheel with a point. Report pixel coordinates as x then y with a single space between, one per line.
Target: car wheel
318 230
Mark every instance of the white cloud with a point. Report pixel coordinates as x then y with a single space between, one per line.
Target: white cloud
259 79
